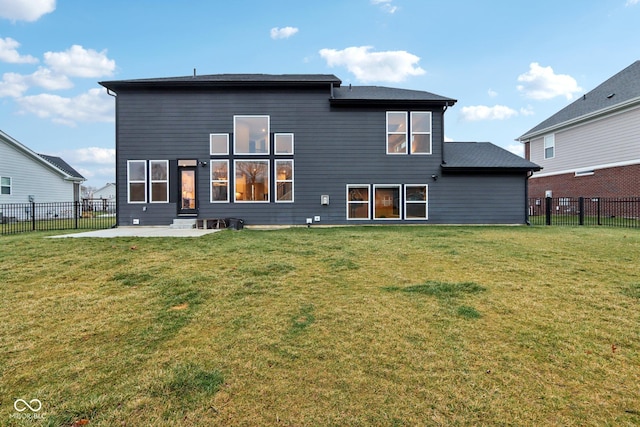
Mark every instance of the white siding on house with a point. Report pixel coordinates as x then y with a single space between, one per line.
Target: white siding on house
30 176
611 140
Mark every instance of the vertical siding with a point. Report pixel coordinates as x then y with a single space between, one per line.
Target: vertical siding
613 139
30 177
334 146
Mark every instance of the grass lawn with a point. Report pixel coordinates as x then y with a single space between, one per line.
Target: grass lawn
359 326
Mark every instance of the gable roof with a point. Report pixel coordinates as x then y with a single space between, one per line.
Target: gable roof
619 91
62 165
54 163
482 156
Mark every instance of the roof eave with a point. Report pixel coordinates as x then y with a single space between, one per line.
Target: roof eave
346 102
585 117
488 169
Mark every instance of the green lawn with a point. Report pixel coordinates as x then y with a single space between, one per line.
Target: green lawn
357 326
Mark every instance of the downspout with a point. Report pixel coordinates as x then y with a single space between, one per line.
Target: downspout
442 130
526 198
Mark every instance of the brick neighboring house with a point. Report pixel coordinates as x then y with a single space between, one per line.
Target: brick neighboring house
590 148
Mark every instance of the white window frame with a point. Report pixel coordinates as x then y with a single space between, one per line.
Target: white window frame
158 181
368 201
129 181
275 144
405 133
215 153
10 186
430 133
277 181
549 142
377 187
235 135
213 181
235 180
416 202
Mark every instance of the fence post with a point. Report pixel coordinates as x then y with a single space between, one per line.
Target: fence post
547 208
581 210
33 216
598 205
76 210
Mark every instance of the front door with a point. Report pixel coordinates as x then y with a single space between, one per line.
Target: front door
187 201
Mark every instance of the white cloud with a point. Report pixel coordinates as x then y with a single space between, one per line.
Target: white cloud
527 111
632 2
96 155
13 85
492 93
283 33
542 83
26 10
517 149
92 106
390 66
482 112
49 80
385 5
80 62
9 52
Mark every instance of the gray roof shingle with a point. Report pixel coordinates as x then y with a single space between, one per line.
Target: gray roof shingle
381 93
482 156
62 165
618 90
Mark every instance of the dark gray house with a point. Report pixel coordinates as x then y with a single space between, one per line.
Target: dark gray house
289 149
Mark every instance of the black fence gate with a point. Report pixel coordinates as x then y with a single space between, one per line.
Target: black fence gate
612 212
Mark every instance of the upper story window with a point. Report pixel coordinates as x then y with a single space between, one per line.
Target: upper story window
420 132
549 146
396 132
251 135
219 144
283 143
5 185
408 133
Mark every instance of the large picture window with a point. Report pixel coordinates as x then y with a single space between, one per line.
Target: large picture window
420 132
219 180
284 180
415 201
137 181
159 181
5 185
251 135
251 181
387 202
358 202
396 132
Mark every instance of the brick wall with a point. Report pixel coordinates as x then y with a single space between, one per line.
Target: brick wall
621 181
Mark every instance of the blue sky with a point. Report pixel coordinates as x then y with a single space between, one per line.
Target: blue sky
509 63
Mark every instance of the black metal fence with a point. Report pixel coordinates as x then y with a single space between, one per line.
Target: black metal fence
88 214
612 212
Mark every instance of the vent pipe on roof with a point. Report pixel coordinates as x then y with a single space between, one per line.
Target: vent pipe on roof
349 87
194 73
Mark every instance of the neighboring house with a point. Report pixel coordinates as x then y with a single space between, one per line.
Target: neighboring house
293 149
590 148
108 192
26 176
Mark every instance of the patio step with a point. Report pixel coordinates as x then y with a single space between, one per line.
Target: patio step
183 223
